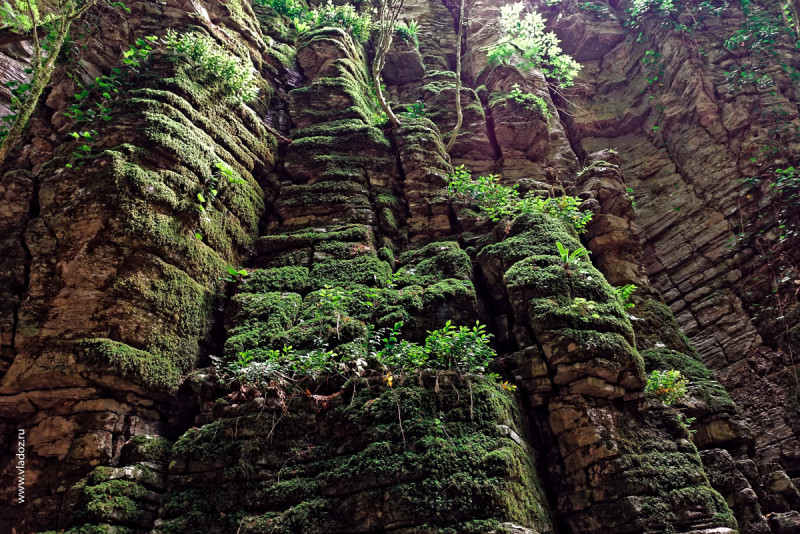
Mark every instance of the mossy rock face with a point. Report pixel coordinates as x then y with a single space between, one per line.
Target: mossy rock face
433 263
457 464
657 326
261 320
706 396
155 208
147 448
113 500
148 369
640 460
573 313
290 278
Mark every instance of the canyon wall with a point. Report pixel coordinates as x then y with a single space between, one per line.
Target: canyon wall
194 229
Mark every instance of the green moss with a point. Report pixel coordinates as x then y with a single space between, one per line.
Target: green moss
658 325
339 134
99 498
593 344
345 80
348 194
167 233
433 263
291 278
404 305
387 255
562 312
540 275
459 471
533 234
146 448
349 233
145 368
247 144
365 270
262 321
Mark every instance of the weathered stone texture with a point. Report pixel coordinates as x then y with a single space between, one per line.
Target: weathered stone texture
112 293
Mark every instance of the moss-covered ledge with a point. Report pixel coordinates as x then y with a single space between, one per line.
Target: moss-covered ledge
427 455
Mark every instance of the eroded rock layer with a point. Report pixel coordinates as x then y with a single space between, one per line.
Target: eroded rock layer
121 267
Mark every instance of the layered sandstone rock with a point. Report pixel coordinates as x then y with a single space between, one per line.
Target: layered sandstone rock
117 287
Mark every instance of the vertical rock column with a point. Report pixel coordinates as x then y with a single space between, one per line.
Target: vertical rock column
620 468
124 267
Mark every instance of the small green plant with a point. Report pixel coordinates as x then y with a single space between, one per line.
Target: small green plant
415 110
498 202
629 192
236 75
228 173
337 302
529 101
407 31
687 422
83 150
463 349
234 275
570 259
667 387
624 293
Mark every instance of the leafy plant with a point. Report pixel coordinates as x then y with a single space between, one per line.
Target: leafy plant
415 110
498 202
287 8
228 173
53 22
624 293
234 275
211 58
629 192
407 31
668 387
462 348
686 422
568 258
530 101
337 302
345 16
525 43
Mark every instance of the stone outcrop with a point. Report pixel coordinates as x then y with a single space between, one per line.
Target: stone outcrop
195 232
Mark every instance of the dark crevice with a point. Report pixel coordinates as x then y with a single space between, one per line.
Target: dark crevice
487 111
33 213
566 120
401 185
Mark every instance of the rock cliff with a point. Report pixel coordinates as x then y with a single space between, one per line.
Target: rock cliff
156 252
